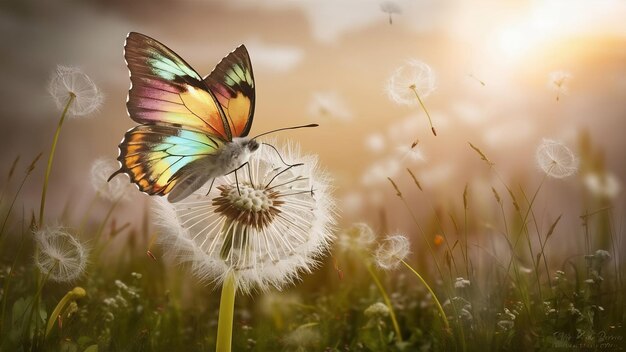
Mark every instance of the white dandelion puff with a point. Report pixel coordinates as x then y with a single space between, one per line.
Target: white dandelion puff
411 83
392 251
358 236
264 224
555 159
118 189
72 83
61 257
558 82
390 8
604 185
377 309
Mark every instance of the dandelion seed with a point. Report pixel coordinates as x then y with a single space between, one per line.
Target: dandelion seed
118 189
392 252
557 81
60 257
375 142
358 236
377 309
411 84
556 160
390 7
412 152
71 83
605 185
261 227
330 104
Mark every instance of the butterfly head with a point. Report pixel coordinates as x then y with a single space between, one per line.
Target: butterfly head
247 144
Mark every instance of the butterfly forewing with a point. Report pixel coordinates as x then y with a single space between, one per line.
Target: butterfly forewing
166 90
232 83
153 155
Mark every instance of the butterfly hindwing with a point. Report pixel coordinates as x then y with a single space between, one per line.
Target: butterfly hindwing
166 90
232 83
154 156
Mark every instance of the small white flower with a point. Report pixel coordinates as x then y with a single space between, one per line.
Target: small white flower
71 81
604 185
461 283
413 79
266 228
118 189
556 160
393 250
557 81
358 236
61 257
377 309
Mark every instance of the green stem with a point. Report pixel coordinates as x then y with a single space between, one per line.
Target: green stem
7 282
432 128
432 293
51 157
12 204
225 320
77 292
381 288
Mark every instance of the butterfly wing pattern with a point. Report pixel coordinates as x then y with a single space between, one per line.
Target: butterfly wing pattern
182 122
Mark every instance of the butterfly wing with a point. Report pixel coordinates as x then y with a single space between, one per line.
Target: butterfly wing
232 83
161 158
166 90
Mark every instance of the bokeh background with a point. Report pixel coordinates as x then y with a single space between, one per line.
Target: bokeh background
328 62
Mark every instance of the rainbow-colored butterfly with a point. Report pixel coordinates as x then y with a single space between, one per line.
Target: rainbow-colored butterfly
192 129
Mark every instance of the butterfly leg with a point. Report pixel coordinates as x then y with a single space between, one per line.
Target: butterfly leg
236 178
210 187
280 173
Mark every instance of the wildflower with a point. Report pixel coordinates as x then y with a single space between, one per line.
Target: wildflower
555 159
602 256
358 236
411 84
461 283
117 189
604 185
61 257
390 7
330 104
392 251
377 309
71 83
375 142
261 226
557 81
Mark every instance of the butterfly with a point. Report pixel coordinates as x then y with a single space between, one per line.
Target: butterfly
191 129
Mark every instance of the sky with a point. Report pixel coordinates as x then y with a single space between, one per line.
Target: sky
329 62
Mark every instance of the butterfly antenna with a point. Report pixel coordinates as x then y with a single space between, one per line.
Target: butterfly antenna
279 156
285 128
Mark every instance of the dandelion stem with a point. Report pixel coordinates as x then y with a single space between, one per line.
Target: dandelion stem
381 288
432 293
432 128
225 320
72 295
51 157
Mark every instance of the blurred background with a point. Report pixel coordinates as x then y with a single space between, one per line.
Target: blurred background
329 62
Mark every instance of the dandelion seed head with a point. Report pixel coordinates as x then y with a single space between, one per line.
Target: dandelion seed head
604 185
392 251
377 309
555 159
413 77
558 81
358 236
390 7
274 226
71 81
118 189
61 257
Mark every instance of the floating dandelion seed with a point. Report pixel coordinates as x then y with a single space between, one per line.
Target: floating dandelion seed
411 84
392 252
329 104
358 236
118 189
261 226
390 7
412 152
557 81
71 83
375 142
60 257
556 160
604 185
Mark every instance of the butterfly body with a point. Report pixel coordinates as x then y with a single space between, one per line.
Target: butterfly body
191 129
